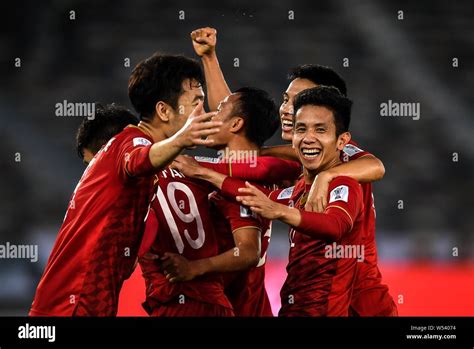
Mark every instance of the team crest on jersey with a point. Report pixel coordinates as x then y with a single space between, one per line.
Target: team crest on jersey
351 150
140 141
340 193
246 212
286 193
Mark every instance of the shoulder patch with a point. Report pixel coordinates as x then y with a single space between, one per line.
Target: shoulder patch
140 141
246 212
286 193
351 150
206 159
340 193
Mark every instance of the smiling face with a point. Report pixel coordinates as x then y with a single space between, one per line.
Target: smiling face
315 139
286 108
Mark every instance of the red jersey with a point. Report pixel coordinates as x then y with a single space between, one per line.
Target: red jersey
320 278
181 210
97 245
245 289
370 297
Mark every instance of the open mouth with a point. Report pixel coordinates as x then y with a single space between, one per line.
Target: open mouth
286 125
310 153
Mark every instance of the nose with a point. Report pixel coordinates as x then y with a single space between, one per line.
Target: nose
310 137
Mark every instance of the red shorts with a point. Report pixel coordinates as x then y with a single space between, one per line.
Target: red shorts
373 303
247 293
190 307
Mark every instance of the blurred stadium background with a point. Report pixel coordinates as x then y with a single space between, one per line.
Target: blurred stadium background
409 60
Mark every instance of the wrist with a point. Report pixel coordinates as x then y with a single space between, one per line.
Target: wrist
328 175
209 57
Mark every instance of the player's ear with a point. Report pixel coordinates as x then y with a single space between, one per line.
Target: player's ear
343 139
237 124
163 111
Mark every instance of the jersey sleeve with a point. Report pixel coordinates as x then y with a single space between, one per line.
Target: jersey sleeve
344 206
231 185
282 196
133 157
264 168
237 215
352 151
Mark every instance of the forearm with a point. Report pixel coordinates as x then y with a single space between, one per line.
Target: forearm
317 225
211 176
280 151
232 260
162 153
364 169
217 88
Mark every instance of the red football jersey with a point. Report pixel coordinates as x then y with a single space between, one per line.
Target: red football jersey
181 210
320 283
370 296
245 289
97 245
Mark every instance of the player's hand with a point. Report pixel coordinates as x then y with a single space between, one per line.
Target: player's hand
317 198
204 41
187 166
258 202
177 268
197 128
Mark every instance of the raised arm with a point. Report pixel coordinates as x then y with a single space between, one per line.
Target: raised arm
204 43
143 161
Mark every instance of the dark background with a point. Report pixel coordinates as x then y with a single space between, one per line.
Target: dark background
407 60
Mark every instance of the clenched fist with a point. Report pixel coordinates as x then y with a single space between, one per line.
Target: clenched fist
204 41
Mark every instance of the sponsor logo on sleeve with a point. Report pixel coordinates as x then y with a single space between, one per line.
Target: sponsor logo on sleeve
246 212
286 193
340 193
351 150
207 159
140 142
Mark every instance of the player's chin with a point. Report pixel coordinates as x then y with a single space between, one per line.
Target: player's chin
311 164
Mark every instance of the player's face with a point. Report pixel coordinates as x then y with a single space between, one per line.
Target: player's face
286 108
315 138
190 98
225 111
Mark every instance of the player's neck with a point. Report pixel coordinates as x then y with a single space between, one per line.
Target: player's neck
242 144
155 133
309 176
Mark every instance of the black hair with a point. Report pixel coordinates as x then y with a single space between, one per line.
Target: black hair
160 78
320 75
331 98
260 113
107 121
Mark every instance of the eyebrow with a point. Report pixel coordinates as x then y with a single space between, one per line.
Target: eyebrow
300 123
199 98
